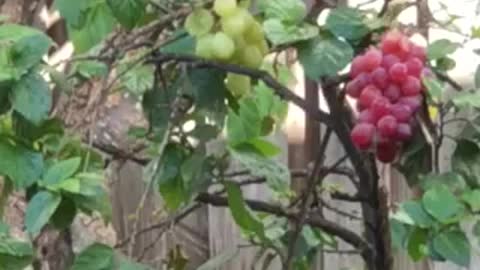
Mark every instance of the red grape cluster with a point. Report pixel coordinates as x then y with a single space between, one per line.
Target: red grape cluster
386 82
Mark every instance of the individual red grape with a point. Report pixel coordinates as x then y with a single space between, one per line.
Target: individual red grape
362 135
401 112
358 66
390 42
386 152
404 132
380 78
372 59
387 126
389 60
366 116
353 89
418 52
414 102
414 66
404 45
380 107
411 86
398 72
368 95
392 92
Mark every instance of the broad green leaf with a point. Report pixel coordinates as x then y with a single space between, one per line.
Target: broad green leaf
4 228
477 77
181 43
453 246
467 99
245 125
276 174
324 56
15 255
64 215
31 97
195 173
260 146
71 10
95 257
240 211
280 33
128 12
219 260
441 48
440 203
414 160
98 23
61 171
289 11
21 165
138 80
417 213
399 233
417 244
348 23
466 162
169 177
434 87
15 32
100 202
452 180
28 51
39 211
91 69
126 264
472 198
445 64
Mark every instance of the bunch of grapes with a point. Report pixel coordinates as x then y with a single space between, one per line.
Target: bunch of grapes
232 36
386 81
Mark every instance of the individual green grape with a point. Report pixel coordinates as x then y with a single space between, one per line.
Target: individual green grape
239 85
204 46
199 22
255 33
237 23
252 57
263 47
223 46
225 8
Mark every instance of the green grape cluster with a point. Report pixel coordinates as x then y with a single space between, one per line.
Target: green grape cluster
229 34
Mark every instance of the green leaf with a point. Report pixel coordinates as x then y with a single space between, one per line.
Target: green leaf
28 51
466 161
324 56
138 80
15 255
441 48
195 173
245 125
126 264
64 215
39 210
417 244
22 166
281 33
169 177
4 228
95 257
348 23
453 181
98 23
71 10
128 12
219 260
61 171
417 213
31 97
472 198
477 77
15 32
434 87
241 213
467 99
414 160
276 173
99 202
445 64
440 203
181 43
290 11
399 233
453 246
91 69
260 146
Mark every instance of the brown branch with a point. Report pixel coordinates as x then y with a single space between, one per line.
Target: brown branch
261 75
315 221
